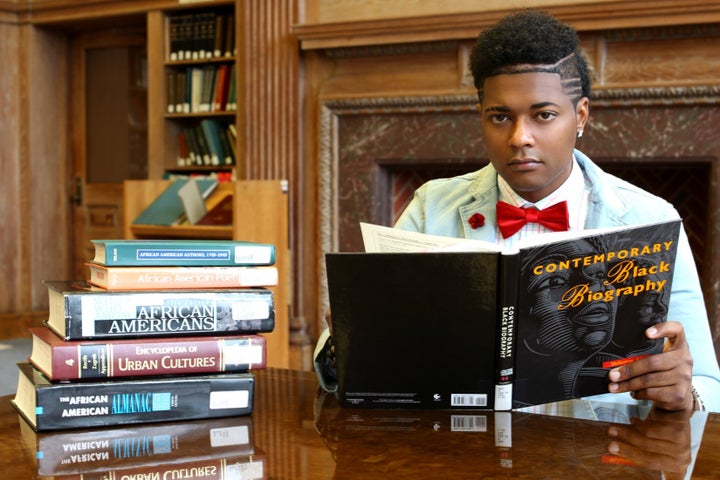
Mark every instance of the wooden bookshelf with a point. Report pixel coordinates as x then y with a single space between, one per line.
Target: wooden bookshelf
177 127
260 214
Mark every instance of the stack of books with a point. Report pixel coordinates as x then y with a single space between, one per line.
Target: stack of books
160 331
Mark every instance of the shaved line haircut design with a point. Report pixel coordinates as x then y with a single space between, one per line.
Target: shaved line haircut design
531 41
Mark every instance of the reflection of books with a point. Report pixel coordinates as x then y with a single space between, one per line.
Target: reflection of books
183 252
505 329
150 277
78 310
505 444
167 209
66 405
112 448
231 467
71 360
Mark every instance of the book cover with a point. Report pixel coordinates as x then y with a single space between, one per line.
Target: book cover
505 329
184 253
58 359
167 209
220 214
78 310
162 277
103 449
67 405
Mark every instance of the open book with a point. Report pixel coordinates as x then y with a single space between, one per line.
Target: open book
437 322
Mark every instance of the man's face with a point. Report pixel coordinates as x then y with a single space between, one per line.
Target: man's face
530 125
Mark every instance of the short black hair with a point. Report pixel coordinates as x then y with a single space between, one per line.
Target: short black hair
531 41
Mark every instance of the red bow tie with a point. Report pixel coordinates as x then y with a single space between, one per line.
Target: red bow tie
510 219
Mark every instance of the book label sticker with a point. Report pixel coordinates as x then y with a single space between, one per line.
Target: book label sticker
250 310
223 437
229 399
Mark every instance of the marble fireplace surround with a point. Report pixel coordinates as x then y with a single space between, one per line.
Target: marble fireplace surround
375 151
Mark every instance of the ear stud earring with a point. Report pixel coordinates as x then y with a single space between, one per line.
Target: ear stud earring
580 133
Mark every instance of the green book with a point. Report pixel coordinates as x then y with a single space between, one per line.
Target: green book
167 208
183 253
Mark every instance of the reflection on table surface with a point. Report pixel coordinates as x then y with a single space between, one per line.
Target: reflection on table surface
297 432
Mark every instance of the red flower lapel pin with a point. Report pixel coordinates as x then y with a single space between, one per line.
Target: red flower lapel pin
476 220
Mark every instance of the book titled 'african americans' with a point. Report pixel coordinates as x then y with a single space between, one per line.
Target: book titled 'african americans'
78 310
59 359
66 405
468 326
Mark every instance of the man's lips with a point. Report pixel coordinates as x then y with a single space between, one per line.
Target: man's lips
524 163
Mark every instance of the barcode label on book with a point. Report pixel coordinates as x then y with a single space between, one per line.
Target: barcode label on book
249 254
223 437
468 423
251 469
249 310
468 400
229 399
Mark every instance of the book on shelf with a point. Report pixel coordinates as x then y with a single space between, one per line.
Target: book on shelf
473 327
180 252
167 209
164 277
66 405
103 449
60 359
220 214
80 311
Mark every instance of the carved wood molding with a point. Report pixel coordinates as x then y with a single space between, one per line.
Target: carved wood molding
586 17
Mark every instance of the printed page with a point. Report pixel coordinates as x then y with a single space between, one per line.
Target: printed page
380 239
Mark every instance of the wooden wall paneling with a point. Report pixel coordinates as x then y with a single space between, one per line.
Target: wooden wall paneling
269 104
13 253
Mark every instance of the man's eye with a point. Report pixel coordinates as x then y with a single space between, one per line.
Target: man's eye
499 118
546 115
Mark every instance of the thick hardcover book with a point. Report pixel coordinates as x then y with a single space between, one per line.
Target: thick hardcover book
145 445
67 405
167 209
78 310
490 329
91 359
183 253
153 278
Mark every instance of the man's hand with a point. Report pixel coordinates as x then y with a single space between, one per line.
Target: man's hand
664 378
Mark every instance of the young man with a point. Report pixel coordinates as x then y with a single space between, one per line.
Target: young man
534 95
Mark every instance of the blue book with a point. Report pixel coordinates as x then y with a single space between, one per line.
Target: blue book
183 253
167 209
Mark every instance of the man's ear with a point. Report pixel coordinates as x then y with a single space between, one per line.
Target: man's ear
582 112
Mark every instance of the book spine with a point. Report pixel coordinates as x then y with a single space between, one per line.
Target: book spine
216 254
101 316
509 271
89 404
146 278
177 357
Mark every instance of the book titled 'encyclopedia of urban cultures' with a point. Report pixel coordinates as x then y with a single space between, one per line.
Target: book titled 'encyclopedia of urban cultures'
78 310
66 405
60 359
473 327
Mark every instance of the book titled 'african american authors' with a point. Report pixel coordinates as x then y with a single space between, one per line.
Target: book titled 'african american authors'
65 405
78 310
60 359
468 326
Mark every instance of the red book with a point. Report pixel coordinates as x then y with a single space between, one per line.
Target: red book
90 359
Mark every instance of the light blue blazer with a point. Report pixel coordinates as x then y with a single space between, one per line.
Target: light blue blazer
443 207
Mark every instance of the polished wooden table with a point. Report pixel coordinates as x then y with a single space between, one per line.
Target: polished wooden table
297 433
